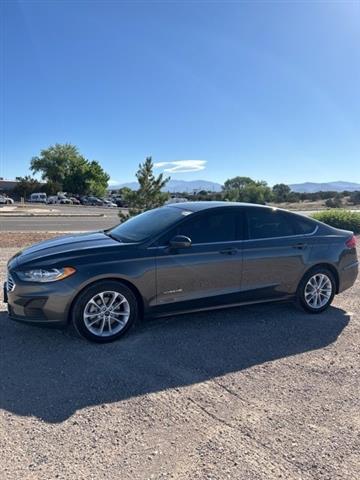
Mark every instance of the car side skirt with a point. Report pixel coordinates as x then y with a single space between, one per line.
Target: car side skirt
157 312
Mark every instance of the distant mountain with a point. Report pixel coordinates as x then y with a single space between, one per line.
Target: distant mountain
190 185
309 187
179 186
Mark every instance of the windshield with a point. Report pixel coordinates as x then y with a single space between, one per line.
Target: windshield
147 224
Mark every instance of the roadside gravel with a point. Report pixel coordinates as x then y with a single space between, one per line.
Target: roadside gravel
254 393
22 239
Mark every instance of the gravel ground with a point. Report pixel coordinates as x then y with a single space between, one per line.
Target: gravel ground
263 392
22 239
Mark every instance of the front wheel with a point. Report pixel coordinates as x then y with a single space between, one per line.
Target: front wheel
105 311
316 290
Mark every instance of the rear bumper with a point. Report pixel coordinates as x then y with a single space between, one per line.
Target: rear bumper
348 276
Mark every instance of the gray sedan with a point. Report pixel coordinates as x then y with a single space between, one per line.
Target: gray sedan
179 258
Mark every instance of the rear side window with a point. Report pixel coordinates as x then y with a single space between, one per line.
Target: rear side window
267 223
303 226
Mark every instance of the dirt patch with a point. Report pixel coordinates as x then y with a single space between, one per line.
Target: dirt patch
23 239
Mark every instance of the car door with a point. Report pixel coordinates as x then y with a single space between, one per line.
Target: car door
274 255
209 271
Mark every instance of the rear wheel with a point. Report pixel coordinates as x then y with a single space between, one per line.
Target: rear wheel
105 311
316 290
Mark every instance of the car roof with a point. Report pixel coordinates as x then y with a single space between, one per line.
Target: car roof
198 206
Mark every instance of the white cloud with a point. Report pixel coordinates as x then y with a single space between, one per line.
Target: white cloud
181 166
113 182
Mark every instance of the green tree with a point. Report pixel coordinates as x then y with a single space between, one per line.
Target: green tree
244 189
334 202
64 168
149 194
97 179
355 198
76 180
281 192
53 163
123 191
259 192
26 186
237 183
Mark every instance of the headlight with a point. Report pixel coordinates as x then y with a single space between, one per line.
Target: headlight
45 275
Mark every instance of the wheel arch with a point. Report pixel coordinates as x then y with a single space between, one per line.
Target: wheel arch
327 266
122 281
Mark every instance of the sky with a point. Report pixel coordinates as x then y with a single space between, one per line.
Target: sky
209 89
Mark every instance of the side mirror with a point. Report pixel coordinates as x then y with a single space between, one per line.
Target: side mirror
180 241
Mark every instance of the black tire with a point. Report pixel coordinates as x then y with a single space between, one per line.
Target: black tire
303 295
105 286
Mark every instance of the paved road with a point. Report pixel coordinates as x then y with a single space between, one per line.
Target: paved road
28 207
38 224
61 223
255 393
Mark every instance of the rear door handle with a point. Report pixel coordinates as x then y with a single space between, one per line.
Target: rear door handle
229 251
300 245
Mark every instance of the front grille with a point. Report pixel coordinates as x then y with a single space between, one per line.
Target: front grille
10 284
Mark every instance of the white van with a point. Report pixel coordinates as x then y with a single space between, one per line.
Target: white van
38 198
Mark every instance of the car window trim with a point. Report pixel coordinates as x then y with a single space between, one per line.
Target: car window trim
284 236
246 239
202 244
241 225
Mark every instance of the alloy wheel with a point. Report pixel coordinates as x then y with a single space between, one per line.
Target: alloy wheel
106 313
318 290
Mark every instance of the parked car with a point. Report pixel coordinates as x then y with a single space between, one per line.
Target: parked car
38 198
75 201
181 257
5 200
120 202
63 200
94 201
52 199
59 199
109 203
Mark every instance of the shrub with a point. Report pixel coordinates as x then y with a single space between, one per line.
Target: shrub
333 202
340 219
355 198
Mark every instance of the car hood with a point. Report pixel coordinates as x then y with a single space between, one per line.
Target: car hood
62 245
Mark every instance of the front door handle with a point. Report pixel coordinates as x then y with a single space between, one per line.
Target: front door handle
229 251
300 245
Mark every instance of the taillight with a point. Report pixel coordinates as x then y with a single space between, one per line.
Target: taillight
351 242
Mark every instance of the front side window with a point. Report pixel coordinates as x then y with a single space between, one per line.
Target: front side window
209 227
268 223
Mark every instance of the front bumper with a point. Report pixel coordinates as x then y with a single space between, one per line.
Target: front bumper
44 304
